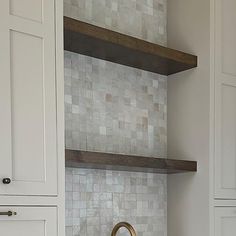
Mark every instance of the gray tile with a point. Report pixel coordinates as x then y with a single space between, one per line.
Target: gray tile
96 212
142 19
112 113
114 108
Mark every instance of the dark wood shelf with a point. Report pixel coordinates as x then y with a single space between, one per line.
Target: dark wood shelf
96 160
108 45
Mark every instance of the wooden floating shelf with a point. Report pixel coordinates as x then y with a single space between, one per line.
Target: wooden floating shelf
96 160
108 45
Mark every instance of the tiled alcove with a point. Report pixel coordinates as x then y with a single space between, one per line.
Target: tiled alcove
114 108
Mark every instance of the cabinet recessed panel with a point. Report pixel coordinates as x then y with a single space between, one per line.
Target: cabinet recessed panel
29 9
228 225
27 89
225 221
228 34
228 140
13 228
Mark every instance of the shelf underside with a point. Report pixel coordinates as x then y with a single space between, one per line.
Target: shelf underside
94 41
86 159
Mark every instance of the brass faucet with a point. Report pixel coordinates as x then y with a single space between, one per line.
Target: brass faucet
123 224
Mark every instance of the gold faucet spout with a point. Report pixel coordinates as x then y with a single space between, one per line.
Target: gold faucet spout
123 224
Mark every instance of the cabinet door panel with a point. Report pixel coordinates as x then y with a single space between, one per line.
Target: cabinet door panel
28 98
226 149
27 115
37 221
33 11
228 35
225 221
225 100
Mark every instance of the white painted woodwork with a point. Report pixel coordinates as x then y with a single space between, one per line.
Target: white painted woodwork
227 34
29 9
28 142
225 221
37 221
226 141
225 99
60 118
32 117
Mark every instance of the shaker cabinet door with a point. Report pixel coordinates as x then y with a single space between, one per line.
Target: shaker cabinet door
36 221
225 221
28 151
225 99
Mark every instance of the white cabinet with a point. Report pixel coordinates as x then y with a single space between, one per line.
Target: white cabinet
32 117
28 140
37 221
225 221
225 99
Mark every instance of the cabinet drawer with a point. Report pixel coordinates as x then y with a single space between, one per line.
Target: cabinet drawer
225 221
28 221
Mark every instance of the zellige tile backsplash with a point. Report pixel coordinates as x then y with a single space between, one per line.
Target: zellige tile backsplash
114 108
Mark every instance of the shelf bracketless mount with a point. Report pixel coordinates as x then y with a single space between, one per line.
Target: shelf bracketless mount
97 160
94 41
